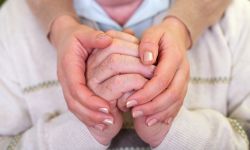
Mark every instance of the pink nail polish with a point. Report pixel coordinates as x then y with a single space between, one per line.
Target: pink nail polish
136 114
152 122
148 56
131 103
104 110
108 122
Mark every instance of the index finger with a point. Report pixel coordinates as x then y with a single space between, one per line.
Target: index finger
164 73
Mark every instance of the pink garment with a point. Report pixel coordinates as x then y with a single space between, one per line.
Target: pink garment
120 11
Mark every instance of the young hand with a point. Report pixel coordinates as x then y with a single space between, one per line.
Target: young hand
161 98
74 42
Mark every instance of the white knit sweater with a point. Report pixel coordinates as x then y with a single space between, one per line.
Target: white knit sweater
33 113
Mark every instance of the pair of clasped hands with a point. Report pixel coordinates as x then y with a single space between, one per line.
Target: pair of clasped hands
105 74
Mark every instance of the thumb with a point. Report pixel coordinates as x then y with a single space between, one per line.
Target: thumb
95 39
149 46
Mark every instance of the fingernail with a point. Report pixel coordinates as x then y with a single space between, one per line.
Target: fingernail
99 127
152 122
148 56
104 110
136 114
131 103
108 122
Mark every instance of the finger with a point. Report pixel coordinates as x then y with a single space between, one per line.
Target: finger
73 83
94 39
165 116
118 64
117 47
163 75
115 87
176 92
129 31
123 36
149 45
121 102
89 117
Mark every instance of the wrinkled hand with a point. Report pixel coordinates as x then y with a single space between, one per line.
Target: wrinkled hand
113 71
161 97
74 42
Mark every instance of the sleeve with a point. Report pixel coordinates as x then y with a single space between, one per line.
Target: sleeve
207 128
197 15
56 132
46 11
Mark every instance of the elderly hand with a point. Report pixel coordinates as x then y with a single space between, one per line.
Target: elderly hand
111 72
161 98
74 42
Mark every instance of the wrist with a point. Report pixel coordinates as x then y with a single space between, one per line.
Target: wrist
181 29
59 26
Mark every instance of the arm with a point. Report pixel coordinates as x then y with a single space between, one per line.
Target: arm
197 15
47 11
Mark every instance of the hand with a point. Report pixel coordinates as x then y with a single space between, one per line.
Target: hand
161 98
74 42
113 71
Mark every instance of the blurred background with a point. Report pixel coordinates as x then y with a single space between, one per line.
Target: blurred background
1 1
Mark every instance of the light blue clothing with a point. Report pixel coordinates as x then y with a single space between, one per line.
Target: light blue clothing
143 17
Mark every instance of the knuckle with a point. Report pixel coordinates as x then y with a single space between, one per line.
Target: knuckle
117 80
111 33
114 44
178 56
174 95
161 82
112 61
75 91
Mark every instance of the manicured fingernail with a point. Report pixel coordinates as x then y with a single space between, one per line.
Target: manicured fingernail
131 103
108 122
99 127
148 56
152 122
104 110
136 114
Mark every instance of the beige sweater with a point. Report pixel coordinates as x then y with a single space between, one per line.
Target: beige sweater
197 15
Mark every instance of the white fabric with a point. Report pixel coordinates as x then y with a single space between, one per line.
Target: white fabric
27 59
